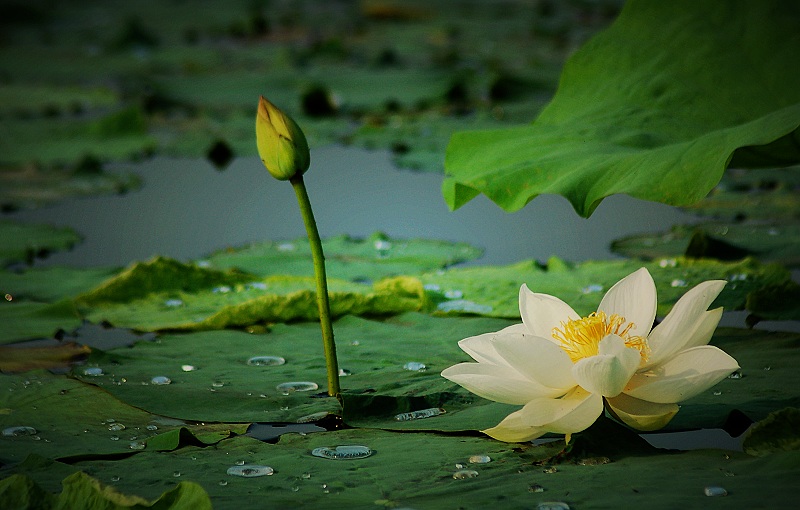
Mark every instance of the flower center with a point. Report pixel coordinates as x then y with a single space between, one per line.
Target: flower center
580 338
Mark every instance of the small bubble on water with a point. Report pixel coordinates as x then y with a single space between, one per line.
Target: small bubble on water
342 452
289 387
19 431
265 361
552 505
415 366
188 368
116 427
421 414
463 474
480 459
250 470
93 371
714 490
160 380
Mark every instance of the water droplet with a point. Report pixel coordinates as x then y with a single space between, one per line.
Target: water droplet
265 361
160 380
188 368
116 427
767 368
480 459
715 491
773 232
137 445
240 463
342 452
223 482
114 438
736 375
667 263
738 277
594 461
593 288
152 427
462 474
535 487
305 476
173 303
355 343
433 287
19 431
552 505
295 488
250 470
309 418
176 474
678 283
550 470
257 285
289 387
418 415
415 366
115 478
459 466
286 247
343 372
717 393
454 294
382 245
223 289
217 384
9 297
463 306
93 371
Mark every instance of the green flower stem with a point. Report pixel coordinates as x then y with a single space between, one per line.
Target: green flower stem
322 284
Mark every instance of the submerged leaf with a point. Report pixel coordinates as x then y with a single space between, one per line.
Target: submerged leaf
654 107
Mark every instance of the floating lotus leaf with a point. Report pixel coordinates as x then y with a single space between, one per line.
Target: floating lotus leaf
653 107
25 320
777 432
494 290
372 258
768 242
49 284
25 242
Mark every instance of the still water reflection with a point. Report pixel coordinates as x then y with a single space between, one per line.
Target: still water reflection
186 209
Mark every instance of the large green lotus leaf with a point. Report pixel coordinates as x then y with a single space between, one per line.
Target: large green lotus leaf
225 388
777 432
494 290
767 384
768 242
415 470
655 106
83 491
372 258
266 300
51 284
25 320
24 242
70 418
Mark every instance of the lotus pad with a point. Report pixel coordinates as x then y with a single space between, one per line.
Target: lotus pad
23 242
653 107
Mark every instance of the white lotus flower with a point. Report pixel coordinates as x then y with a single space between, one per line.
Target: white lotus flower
564 368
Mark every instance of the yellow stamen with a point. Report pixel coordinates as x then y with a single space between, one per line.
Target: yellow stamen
580 337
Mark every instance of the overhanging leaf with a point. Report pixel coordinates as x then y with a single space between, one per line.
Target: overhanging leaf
654 107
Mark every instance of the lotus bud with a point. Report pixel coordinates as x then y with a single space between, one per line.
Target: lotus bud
281 143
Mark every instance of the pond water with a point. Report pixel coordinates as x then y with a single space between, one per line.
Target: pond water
187 209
